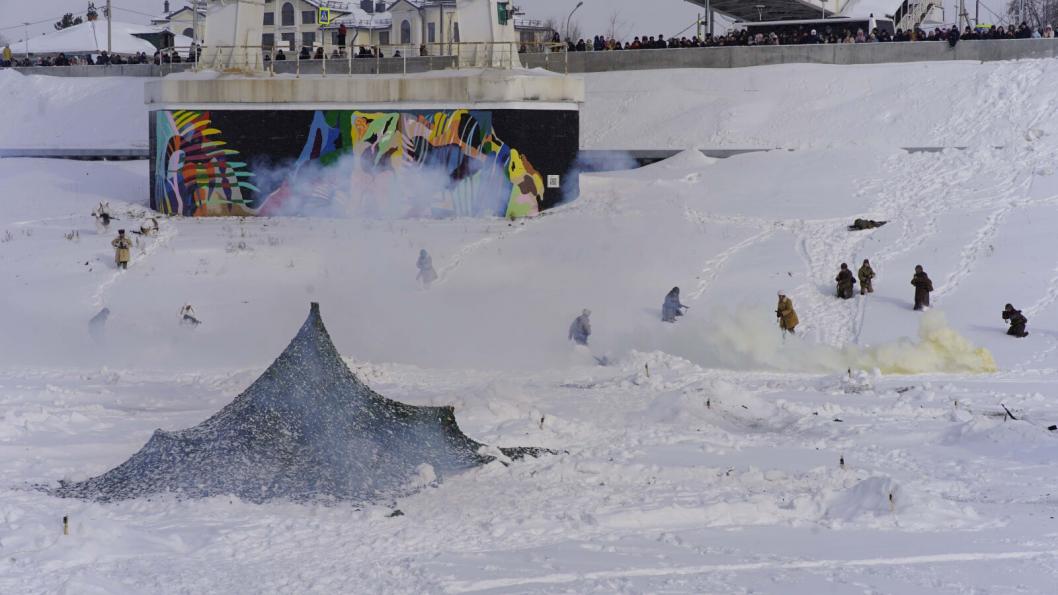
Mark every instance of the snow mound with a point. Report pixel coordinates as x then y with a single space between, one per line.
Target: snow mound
307 429
880 502
686 160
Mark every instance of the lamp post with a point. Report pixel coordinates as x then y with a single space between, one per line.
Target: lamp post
26 39
579 4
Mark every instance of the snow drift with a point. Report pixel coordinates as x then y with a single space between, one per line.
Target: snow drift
308 428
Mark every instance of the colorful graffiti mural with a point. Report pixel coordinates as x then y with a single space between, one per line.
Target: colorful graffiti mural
401 163
195 173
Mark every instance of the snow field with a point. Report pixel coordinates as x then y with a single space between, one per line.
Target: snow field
704 459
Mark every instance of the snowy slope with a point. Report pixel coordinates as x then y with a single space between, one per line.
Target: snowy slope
926 104
704 459
71 112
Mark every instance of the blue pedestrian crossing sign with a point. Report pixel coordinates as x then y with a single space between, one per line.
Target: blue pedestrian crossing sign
324 18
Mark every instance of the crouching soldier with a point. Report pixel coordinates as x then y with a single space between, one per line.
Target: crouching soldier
580 330
187 316
672 306
845 282
1016 320
785 313
122 247
866 275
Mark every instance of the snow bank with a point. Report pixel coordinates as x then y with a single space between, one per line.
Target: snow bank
43 112
881 502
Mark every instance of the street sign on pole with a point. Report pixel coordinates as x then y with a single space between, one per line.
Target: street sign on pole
324 18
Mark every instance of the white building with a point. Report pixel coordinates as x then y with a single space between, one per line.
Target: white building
293 24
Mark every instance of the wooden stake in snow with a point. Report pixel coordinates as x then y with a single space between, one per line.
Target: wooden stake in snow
841 462
647 368
1008 412
892 503
65 525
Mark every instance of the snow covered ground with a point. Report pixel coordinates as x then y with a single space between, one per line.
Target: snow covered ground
705 458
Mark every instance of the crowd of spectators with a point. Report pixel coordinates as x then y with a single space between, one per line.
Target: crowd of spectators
807 35
8 59
786 36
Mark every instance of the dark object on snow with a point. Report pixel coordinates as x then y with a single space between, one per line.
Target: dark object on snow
672 306
396 513
1052 428
1008 412
1016 320
923 287
307 429
862 224
845 282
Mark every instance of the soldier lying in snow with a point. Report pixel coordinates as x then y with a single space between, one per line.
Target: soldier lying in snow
861 224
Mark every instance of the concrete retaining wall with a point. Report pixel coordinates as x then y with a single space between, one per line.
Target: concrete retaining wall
465 89
580 62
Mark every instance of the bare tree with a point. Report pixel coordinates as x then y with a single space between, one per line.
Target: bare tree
552 26
617 28
1036 13
573 32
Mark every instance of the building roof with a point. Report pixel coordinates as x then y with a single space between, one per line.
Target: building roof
770 10
91 37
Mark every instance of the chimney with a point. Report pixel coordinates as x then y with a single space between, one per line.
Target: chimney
166 8
367 6
380 6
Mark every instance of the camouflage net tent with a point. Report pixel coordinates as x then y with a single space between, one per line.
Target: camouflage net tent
307 429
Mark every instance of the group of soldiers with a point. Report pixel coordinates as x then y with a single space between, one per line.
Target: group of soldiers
845 280
122 244
671 308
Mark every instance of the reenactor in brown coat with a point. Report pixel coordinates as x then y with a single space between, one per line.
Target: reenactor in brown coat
122 248
866 275
923 286
845 282
785 313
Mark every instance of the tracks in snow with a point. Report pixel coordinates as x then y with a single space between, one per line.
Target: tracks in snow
674 571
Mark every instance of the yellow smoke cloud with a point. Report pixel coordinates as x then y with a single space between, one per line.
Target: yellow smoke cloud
749 338
939 349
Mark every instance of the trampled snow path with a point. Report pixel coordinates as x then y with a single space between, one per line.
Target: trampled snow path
558 579
143 248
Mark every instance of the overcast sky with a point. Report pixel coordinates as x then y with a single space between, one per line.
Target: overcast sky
634 17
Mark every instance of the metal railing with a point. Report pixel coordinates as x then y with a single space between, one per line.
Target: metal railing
385 59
